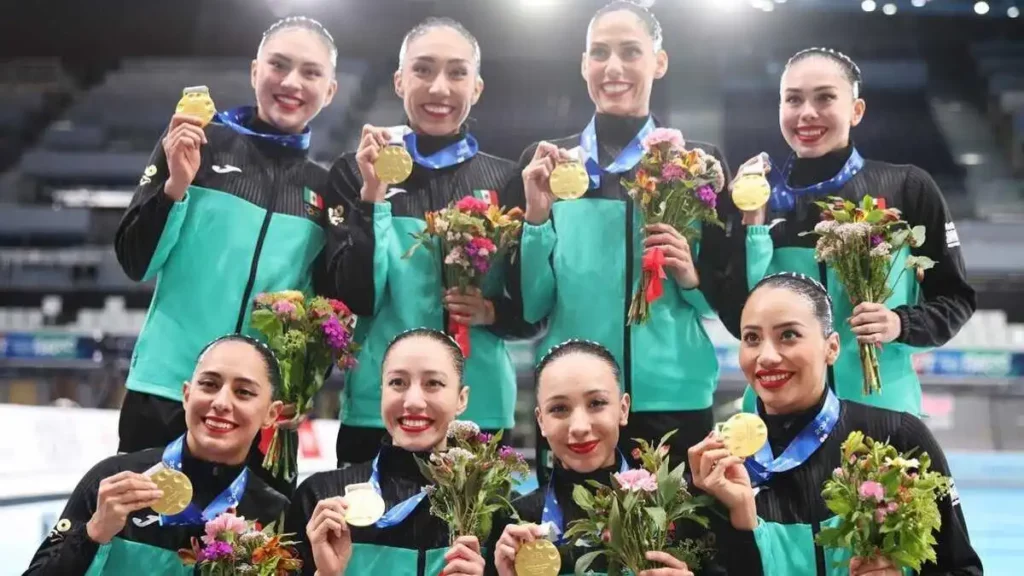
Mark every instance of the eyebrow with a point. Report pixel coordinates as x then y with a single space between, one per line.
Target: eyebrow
590 392
290 60
218 375
816 89
790 324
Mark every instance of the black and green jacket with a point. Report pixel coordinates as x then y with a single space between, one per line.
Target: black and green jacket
144 546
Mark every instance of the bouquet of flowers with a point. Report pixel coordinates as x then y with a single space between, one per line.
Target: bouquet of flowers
859 243
639 513
234 546
472 479
887 503
307 337
472 233
673 186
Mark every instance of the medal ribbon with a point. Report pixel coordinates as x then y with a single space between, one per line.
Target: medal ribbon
553 510
237 118
628 158
783 198
763 466
399 512
191 515
454 153
654 264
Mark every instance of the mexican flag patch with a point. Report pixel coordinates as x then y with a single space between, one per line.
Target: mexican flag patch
489 196
313 199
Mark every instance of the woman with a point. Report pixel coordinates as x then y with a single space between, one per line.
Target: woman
570 250
216 205
821 101
788 343
580 410
422 393
108 526
438 80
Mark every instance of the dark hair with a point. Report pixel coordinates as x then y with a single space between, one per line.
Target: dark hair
576 346
269 358
848 66
638 9
810 289
435 22
302 23
458 359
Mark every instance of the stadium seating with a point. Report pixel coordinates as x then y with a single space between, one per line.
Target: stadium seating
1000 64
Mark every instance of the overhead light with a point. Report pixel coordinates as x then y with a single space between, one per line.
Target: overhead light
970 159
918 3
1013 12
868 5
889 9
981 8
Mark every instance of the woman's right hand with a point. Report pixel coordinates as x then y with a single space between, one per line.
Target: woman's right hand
537 184
329 537
723 476
181 148
371 142
119 496
754 217
514 536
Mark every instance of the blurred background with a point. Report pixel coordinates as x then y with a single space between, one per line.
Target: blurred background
87 87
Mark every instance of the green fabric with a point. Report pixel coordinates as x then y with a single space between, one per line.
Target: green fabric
374 560
789 550
410 297
202 265
124 558
901 388
573 277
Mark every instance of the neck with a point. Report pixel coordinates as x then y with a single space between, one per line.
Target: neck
805 403
642 112
840 148
262 117
420 132
201 453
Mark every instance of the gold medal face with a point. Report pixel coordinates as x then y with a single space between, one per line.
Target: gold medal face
393 165
751 192
569 181
365 506
177 489
744 434
538 558
196 101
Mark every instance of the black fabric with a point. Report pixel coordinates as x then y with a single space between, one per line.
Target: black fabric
794 497
736 551
359 444
783 428
71 552
809 171
148 421
948 300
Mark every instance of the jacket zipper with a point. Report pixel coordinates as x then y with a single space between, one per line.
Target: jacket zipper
627 331
421 562
243 308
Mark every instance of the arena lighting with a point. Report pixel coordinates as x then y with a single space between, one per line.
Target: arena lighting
1013 12
889 9
981 8
918 3
868 5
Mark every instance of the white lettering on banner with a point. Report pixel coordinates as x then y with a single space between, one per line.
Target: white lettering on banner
952 239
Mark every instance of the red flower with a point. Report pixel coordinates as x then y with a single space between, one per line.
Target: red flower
339 307
472 205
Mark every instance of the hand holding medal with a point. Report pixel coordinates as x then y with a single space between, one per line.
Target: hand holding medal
196 101
526 550
717 465
183 140
380 162
176 488
365 506
751 190
117 497
551 173
569 179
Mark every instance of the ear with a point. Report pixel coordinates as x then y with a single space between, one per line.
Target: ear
624 403
583 66
661 67
540 421
185 390
331 91
275 410
832 348
478 89
859 107
252 73
463 400
399 89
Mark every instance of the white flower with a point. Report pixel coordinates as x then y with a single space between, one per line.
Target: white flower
883 249
455 256
457 455
853 231
254 538
463 429
441 225
825 226
901 462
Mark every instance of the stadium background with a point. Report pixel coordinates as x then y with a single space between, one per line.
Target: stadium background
86 88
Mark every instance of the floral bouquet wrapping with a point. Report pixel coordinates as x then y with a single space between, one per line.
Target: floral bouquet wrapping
472 233
887 503
673 186
234 546
639 513
859 243
307 337
471 480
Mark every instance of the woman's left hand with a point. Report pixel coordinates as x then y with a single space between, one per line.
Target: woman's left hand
469 309
873 567
464 558
677 254
288 420
875 324
673 566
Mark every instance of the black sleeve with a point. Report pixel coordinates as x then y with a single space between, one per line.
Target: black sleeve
68 550
954 554
348 254
734 553
948 301
299 513
143 223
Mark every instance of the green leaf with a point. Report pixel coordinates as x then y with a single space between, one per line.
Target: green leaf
919 263
659 517
583 498
266 323
867 203
583 562
843 217
615 524
874 217
917 233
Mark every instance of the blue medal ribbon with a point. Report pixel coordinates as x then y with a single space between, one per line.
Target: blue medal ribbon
399 512
238 118
763 465
455 153
553 510
628 158
191 515
783 198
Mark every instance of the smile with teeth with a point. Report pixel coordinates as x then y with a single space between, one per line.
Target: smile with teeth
438 109
811 133
219 426
773 378
414 423
615 87
288 101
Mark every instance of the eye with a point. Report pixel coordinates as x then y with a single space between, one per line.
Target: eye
435 383
421 69
599 53
208 383
826 97
313 74
598 403
631 52
396 383
459 73
790 334
244 392
557 409
751 338
792 99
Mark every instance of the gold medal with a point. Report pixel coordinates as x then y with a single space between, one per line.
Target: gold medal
538 558
751 192
196 101
365 506
569 180
743 434
177 489
393 164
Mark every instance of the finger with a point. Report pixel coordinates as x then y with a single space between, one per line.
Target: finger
469 542
868 329
661 239
539 172
195 131
868 318
545 150
460 309
709 460
565 156
459 567
188 140
179 119
522 532
665 558
666 572
674 263
117 478
506 551
865 307
129 483
870 339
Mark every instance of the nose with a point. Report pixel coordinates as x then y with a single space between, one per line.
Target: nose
579 424
768 356
613 67
808 111
439 87
292 80
222 400
413 400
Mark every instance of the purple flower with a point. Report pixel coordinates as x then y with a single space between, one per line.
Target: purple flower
337 336
217 551
484 438
706 194
876 240
672 173
508 453
872 490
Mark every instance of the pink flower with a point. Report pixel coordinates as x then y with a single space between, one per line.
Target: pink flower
839 473
472 205
872 490
672 173
669 136
706 194
880 515
637 480
284 308
226 522
892 507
